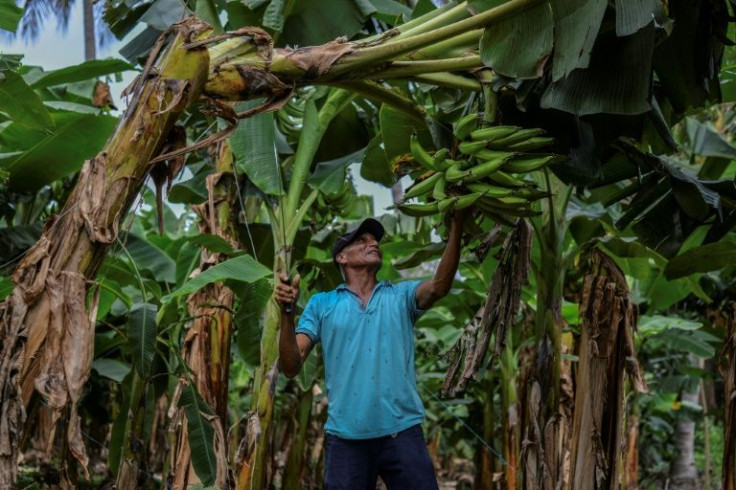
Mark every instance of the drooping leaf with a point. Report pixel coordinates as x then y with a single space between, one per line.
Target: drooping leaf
706 141
616 81
21 103
329 177
253 145
242 268
576 26
632 15
397 129
706 258
76 138
141 329
248 319
111 368
428 252
164 13
273 17
150 259
192 191
83 71
213 243
315 23
375 166
519 46
10 15
201 434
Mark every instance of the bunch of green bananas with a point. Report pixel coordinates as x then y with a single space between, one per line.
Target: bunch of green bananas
488 174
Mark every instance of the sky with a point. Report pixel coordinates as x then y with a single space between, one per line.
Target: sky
56 49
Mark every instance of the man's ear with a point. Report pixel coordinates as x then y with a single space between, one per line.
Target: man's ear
340 259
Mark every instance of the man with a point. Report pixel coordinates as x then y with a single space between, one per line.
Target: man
366 329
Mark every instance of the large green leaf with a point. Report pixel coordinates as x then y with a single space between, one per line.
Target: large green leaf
10 15
21 103
576 24
141 328
111 368
616 81
375 167
519 46
632 15
329 177
397 129
242 268
655 324
201 434
253 145
77 137
273 17
83 71
149 259
164 13
706 258
248 318
315 23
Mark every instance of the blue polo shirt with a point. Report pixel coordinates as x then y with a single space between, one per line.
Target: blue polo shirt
369 358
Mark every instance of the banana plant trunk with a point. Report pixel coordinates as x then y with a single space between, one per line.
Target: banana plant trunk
728 370
47 327
607 355
207 343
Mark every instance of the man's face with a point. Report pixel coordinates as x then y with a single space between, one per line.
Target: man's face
363 252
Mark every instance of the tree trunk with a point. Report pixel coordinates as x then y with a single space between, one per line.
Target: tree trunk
90 39
683 473
728 370
207 345
46 329
606 353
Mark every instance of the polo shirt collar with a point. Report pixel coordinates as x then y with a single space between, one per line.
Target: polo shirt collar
343 286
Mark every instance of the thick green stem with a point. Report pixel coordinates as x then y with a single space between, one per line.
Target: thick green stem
383 95
395 48
403 69
296 222
450 15
450 81
309 142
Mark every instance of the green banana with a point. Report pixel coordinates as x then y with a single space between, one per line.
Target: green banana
524 165
421 187
465 125
420 154
506 180
471 147
493 154
466 201
517 137
419 209
447 204
536 143
488 189
439 159
493 133
439 191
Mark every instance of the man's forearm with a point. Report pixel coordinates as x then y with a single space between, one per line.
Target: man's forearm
447 267
290 358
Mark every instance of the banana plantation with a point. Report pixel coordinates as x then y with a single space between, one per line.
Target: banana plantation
588 341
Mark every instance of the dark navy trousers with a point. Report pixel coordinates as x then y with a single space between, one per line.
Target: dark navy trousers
401 460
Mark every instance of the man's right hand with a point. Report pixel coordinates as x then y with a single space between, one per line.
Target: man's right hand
287 292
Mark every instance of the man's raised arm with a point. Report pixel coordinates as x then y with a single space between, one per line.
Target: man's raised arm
293 348
430 291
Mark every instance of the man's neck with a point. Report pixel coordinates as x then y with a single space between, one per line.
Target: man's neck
361 281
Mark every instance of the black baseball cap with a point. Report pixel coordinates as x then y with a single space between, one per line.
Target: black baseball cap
369 225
